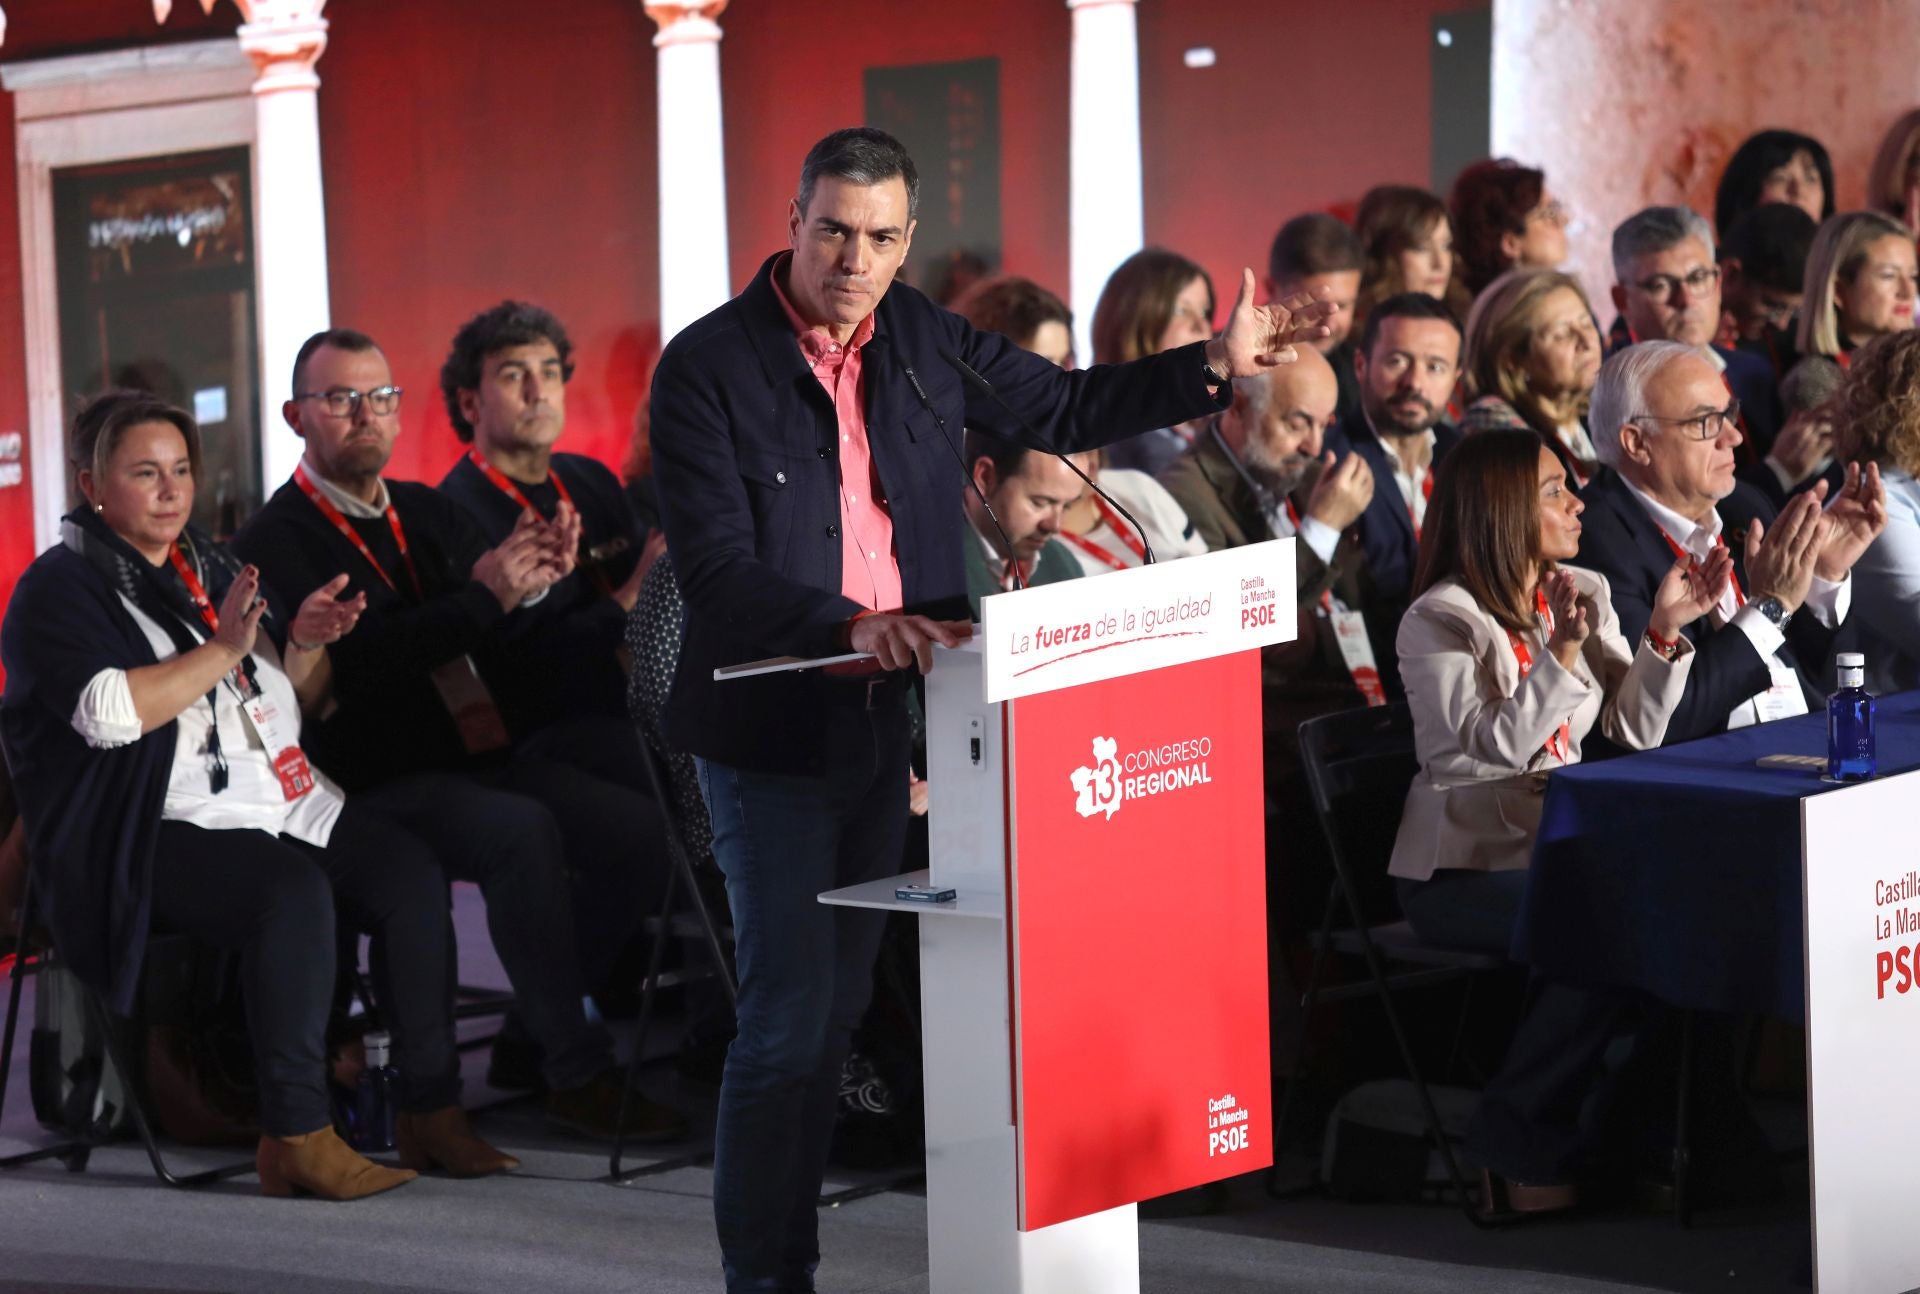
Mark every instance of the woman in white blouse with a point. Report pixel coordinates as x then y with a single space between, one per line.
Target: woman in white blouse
1509 660
152 722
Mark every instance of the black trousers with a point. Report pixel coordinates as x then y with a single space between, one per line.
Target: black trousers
273 899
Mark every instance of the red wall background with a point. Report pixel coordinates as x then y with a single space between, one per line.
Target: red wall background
480 149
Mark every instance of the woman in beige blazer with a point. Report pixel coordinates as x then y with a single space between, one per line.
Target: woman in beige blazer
1509 660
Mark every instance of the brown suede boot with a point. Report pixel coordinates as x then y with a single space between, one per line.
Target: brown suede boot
441 1139
322 1164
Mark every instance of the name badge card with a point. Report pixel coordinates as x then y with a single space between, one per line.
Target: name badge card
277 735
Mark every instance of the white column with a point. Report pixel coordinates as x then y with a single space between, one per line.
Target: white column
1105 221
693 175
285 38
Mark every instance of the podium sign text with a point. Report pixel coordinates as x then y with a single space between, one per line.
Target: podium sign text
1083 631
1139 930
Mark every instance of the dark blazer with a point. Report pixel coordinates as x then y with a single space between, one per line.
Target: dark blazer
1386 527
744 449
1621 541
1753 384
560 660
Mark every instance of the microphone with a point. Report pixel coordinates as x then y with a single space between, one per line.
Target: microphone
913 380
985 387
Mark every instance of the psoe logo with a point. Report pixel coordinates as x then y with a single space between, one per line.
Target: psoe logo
1101 787
1098 786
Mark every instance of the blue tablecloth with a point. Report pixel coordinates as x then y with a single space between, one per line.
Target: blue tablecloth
1677 870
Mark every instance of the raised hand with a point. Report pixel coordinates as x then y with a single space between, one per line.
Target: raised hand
1689 591
1570 621
240 613
1780 560
1855 519
1802 445
520 566
1342 492
1258 338
564 534
325 617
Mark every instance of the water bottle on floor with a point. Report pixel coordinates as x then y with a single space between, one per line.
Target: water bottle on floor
373 1126
1850 752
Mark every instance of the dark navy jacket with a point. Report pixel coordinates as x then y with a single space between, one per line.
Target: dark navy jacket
1619 540
744 449
1386 527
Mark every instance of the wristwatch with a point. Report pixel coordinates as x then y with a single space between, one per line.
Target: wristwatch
1213 378
1774 610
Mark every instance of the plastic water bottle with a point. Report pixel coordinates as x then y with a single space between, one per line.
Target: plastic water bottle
373 1124
1850 752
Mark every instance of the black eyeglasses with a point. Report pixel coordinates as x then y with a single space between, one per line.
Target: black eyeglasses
1701 426
344 402
1660 286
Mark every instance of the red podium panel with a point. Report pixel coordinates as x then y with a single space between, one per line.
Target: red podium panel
1139 937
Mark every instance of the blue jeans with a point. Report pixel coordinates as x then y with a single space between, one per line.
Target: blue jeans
806 974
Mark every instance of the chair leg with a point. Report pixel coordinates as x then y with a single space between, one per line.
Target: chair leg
1308 1000
1682 1152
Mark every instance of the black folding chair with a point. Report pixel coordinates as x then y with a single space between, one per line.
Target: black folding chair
1359 764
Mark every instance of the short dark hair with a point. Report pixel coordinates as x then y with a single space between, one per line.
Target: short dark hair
509 324
1012 306
1315 243
1751 163
1008 457
859 155
1771 243
104 420
1404 305
1138 303
347 339
1490 200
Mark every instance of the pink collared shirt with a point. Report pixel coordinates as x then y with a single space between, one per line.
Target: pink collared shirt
869 567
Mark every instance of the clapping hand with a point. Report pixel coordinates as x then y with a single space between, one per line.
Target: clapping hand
1571 624
563 536
1780 560
1855 519
325 616
1689 591
240 612
1258 338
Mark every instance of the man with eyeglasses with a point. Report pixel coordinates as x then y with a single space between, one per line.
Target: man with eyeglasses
1667 288
1666 430
416 731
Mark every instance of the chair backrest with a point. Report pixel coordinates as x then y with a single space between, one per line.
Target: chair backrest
1359 764
653 639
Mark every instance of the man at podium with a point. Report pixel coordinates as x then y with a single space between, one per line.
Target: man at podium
806 440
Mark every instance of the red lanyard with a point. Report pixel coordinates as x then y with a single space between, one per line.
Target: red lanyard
1426 495
506 486
1739 598
340 523
195 590
1100 551
1558 744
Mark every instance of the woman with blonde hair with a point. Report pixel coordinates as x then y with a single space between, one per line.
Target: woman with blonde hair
1893 183
1876 419
1532 354
1408 239
1861 281
1157 300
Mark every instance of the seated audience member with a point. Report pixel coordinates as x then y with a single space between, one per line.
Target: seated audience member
1774 166
1510 659
1408 241
1503 219
1763 271
1877 422
1802 454
1532 350
1664 426
1156 301
1100 538
417 731
1861 281
1315 253
1408 362
1028 491
1666 287
154 696
1893 181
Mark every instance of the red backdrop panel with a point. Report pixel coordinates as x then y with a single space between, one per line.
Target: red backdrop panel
1140 937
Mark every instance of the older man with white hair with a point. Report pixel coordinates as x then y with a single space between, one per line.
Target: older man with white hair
1664 425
